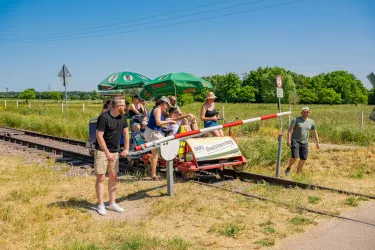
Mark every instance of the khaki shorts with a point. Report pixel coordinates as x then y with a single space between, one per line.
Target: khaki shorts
102 165
152 135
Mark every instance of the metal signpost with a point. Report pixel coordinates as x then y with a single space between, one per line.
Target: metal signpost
169 151
65 75
279 94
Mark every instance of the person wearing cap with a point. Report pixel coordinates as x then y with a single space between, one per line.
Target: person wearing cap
136 114
154 130
209 114
298 138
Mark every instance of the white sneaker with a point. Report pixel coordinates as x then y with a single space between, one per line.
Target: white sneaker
101 210
115 207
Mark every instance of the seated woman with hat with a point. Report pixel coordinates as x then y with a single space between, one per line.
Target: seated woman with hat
209 114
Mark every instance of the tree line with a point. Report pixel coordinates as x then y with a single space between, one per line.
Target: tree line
30 94
258 86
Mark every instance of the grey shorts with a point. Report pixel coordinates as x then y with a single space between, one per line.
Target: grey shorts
299 150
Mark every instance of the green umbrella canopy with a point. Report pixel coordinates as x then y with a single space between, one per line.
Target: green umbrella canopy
123 80
176 83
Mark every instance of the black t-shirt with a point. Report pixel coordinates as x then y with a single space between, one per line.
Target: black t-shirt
113 127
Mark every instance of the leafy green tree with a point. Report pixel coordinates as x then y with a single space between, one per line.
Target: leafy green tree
230 88
95 95
264 81
74 97
246 94
200 97
28 94
329 96
254 79
183 99
55 95
307 96
84 96
351 89
45 95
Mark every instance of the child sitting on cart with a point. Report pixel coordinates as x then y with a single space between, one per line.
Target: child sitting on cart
182 120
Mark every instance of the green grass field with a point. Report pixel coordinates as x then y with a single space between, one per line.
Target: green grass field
337 124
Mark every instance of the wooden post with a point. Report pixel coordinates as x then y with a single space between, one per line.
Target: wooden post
83 107
5 104
17 104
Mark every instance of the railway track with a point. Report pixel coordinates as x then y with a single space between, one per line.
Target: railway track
23 139
73 152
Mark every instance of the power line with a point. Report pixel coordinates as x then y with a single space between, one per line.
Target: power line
113 24
173 24
149 22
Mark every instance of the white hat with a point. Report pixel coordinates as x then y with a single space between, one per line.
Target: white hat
305 108
166 99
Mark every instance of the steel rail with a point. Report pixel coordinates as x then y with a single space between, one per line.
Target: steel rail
245 176
63 152
52 137
315 211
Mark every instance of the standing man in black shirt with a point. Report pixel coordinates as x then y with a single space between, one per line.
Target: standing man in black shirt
110 126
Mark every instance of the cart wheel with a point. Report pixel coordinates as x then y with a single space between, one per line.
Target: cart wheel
189 175
239 168
91 152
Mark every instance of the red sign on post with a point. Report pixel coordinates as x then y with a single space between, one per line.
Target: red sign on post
279 82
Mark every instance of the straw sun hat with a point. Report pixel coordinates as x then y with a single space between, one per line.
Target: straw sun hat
210 95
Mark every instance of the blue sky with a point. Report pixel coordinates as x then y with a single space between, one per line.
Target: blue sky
308 37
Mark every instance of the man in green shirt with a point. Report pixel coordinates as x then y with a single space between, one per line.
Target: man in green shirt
298 138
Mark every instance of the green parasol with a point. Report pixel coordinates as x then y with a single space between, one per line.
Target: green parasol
176 83
123 80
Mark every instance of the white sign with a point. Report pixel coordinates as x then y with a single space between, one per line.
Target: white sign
279 93
279 82
212 148
169 149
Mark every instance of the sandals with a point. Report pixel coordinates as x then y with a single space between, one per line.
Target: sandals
155 178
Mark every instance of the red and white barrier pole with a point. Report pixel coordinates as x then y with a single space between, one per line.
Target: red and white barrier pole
198 132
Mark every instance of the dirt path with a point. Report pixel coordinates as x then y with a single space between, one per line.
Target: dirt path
338 234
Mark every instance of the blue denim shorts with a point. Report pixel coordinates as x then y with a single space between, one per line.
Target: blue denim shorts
208 124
